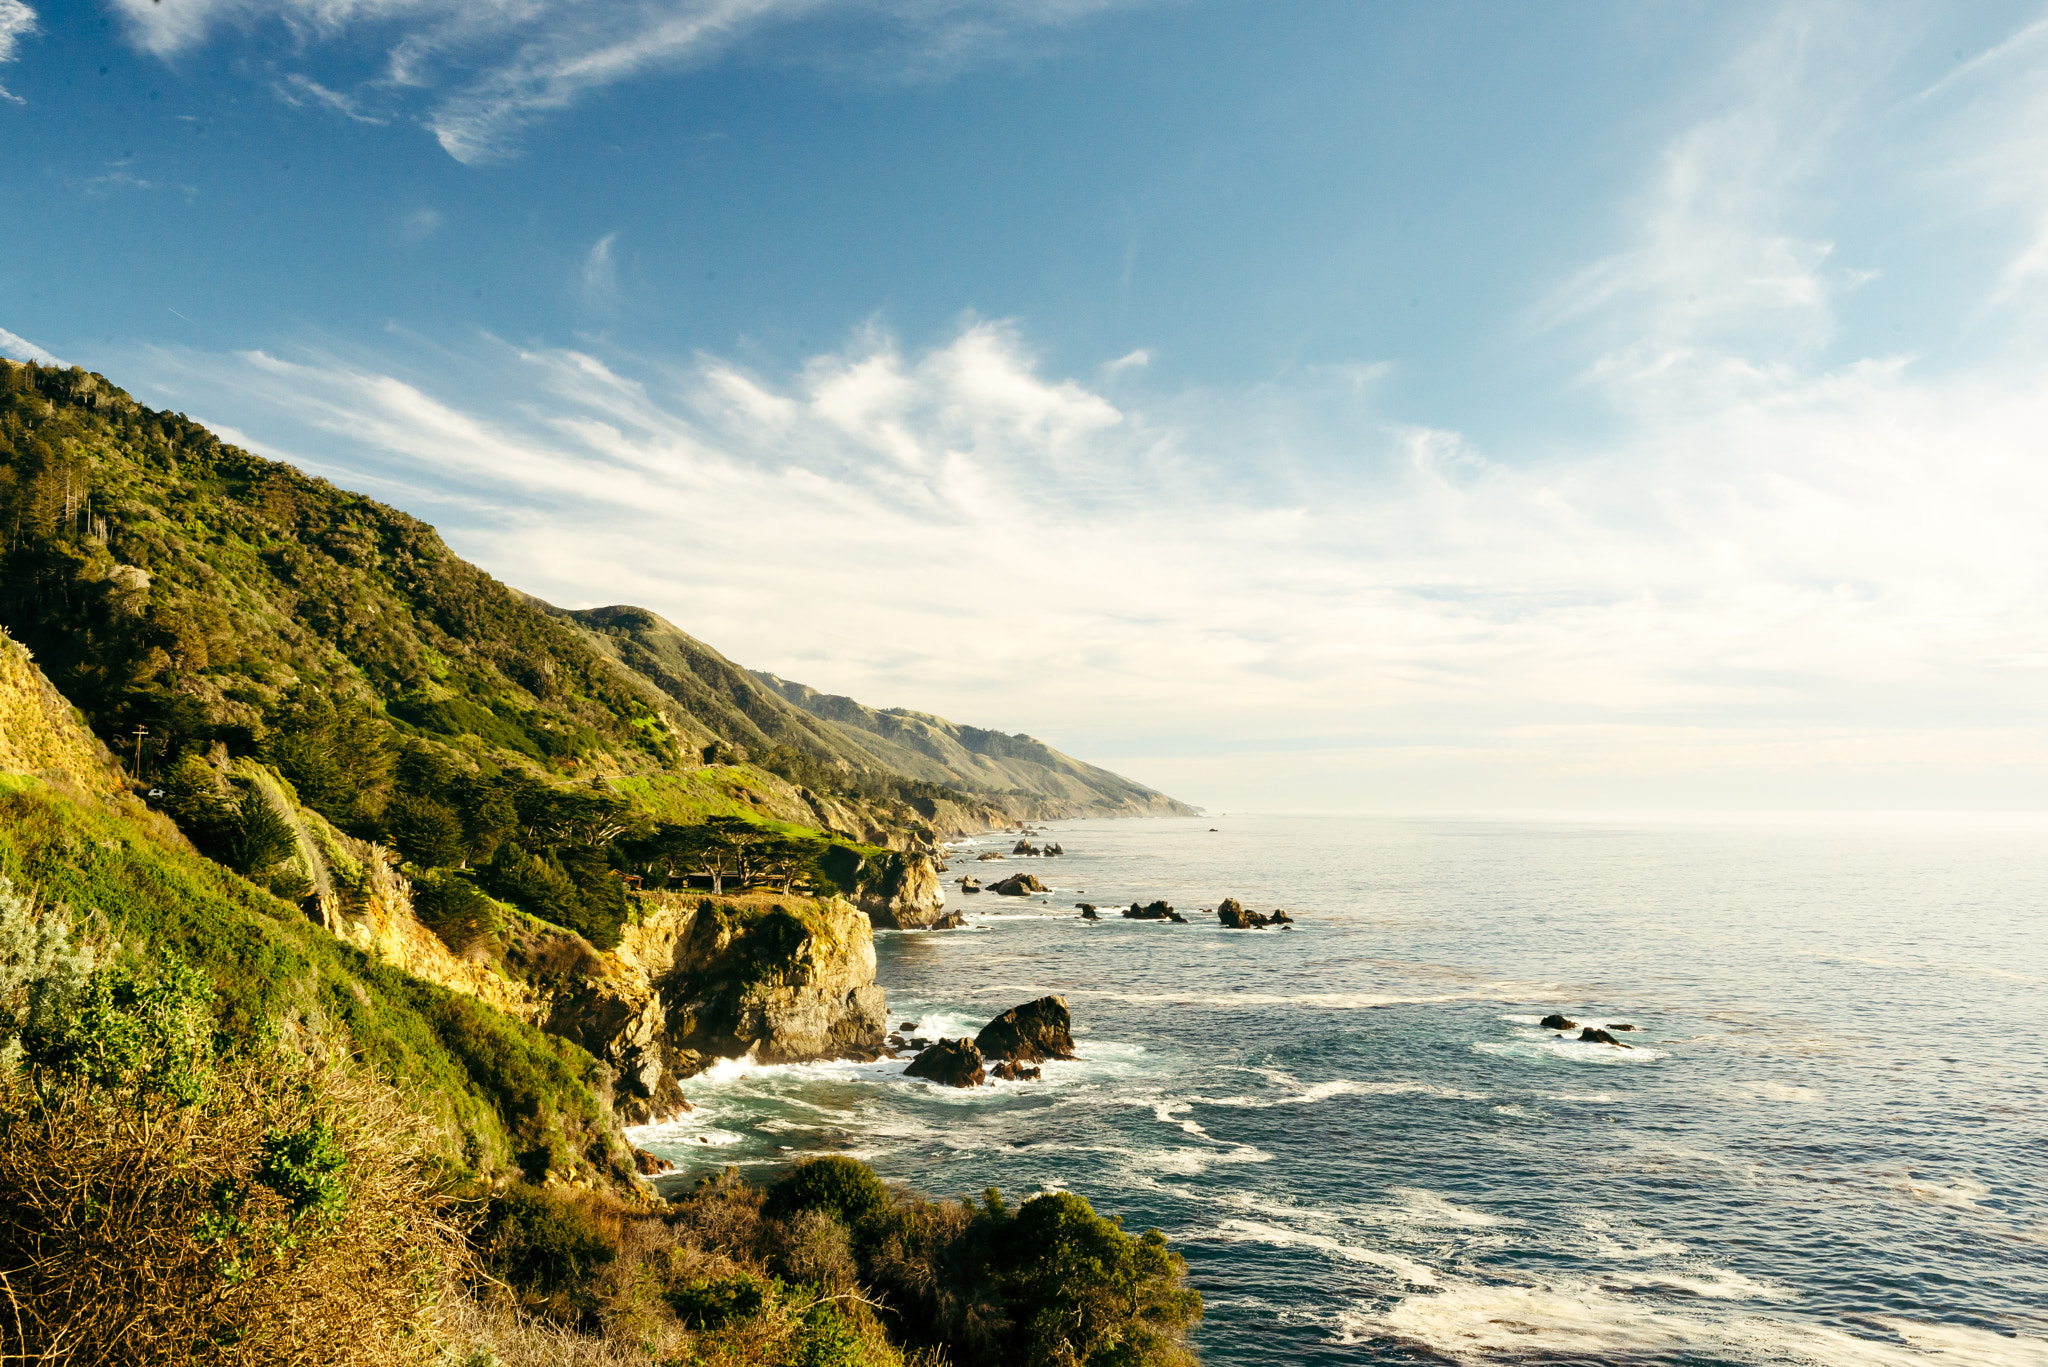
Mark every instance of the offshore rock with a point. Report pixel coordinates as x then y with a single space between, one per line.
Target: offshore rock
1556 1021
1014 1072
1589 1035
984 858
1232 914
650 1164
1018 885
950 1063
902 892
1031 1033
1088 912
1154 911
700 979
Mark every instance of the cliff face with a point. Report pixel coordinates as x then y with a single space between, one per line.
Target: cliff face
701 979
903 893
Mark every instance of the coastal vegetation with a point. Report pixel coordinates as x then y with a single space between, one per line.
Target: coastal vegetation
350 902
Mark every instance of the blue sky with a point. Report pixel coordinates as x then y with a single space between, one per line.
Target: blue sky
1316 406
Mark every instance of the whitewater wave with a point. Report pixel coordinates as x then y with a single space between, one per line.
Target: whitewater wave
1471 1323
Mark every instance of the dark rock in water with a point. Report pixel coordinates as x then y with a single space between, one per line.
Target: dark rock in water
907 1025
1024 847
1031 1033
984 858
1212 830
952 920
1232 914
1152 911
649 1164
1620 1025
950 1063
1557 1022
1591 1036
1018 885
1280 918
1014 1072
1052 851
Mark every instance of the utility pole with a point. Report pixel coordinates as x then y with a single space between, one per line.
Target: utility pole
140 732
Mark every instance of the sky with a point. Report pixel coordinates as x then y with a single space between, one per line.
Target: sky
1308 407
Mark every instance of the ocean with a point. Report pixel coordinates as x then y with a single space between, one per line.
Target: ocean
1828 1145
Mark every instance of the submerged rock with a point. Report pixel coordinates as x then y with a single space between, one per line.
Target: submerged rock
984 858
1620 1025
1591 1036
1031 1033
1014 1072
950 1063
1018 885
1559 1022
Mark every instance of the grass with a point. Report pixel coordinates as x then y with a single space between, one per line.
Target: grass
499 1093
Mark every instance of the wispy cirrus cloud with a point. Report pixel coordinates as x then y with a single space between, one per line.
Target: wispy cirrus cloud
477 76
17 21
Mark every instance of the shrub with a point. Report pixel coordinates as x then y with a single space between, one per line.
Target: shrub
547 1247
843 1188
160 1205
447 904
425 831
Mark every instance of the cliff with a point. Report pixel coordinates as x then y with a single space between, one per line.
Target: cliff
696 980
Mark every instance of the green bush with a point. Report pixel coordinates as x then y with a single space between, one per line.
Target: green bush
838 1186
714 1303
547 1248
427 832
450 906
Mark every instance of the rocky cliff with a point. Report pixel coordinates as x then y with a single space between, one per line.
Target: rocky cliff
697 979
901 892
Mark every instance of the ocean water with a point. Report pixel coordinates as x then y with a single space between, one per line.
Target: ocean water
1829 1145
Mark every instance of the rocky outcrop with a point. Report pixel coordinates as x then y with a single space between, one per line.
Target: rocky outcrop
1031 1033
1013 1072
1018 885
1024 847
1590 1035
700 979
950 1063
1088 912
1153 911
985 858
1233 914
901 892
1556 1021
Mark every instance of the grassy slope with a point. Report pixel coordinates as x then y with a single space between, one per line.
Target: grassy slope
502 1092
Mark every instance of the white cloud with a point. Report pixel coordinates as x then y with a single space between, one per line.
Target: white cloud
17 21
478 75
22 349
1776 581
600 274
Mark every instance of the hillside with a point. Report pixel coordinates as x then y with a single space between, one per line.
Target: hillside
1024 777
499 1094
186 594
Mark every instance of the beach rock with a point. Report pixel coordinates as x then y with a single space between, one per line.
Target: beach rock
1018 885
648 1164
950 1063
1152 911
1591 1036
1558 1022
1031 1033
901 892
1014 1072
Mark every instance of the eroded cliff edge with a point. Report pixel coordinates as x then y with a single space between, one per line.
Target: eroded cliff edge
698 979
